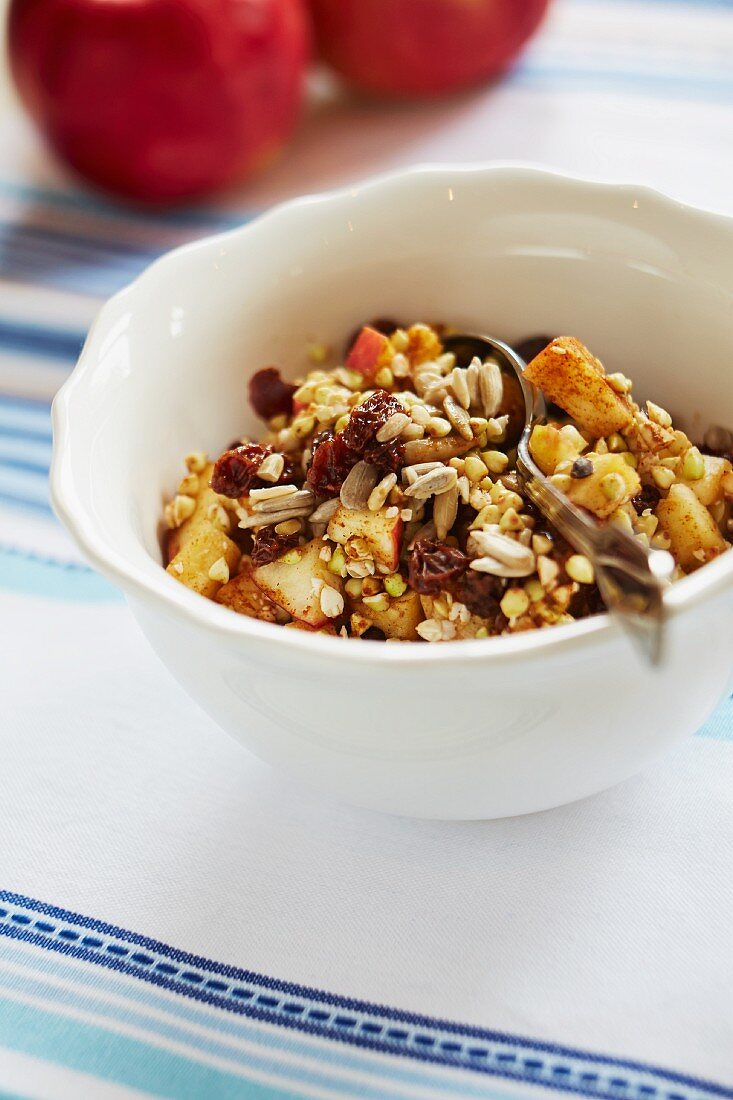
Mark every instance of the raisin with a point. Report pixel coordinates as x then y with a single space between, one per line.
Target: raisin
332 459
649 497
268 545
581 468
480 592
432 566
269 395
235 471
365 420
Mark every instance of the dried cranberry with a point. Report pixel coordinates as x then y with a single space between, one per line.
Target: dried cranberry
387 457
432 566
235 472
366 419
649 497
268 545
332 459
480 592
269 395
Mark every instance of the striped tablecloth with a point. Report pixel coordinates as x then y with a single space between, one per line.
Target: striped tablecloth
177 920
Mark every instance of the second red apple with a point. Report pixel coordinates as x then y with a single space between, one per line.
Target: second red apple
422 47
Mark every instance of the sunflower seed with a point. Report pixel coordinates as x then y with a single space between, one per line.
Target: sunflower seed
459 385
272 493
433 483
472 379
496 568
300 498
267 519
410 474
507 551
491 388
358 485
458 417
324 511
392 427
445 511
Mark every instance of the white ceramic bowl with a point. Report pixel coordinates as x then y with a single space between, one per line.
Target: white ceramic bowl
467 729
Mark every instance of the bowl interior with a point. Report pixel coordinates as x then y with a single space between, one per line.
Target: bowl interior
648 285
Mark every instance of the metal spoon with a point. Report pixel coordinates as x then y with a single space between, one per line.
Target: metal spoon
631 577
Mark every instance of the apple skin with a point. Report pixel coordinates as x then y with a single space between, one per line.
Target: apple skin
422 47
366 353
161 100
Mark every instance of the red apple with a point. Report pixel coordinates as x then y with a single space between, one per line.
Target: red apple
161 100
422 47
366 352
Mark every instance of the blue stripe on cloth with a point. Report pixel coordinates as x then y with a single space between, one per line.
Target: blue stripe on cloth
43 341
316 1012
89 1048
32 574
233 1028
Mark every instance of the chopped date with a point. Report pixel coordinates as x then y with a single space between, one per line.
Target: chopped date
432 565
268 545
235 471
269 395
331 462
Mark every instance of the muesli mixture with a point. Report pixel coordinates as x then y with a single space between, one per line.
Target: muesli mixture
381 501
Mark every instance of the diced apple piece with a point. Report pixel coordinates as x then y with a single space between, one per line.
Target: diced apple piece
288 582
383 534
367 352
601 496
550 446
200 550
401 618
206 499
242 595
709 487
569 375
692 531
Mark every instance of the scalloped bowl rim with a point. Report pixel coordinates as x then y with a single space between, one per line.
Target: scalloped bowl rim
187 605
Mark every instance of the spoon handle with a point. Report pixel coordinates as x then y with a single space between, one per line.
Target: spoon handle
631 577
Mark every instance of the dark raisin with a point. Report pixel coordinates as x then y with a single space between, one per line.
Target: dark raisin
582 467
235 471
373 634
269 395
387 457
268 545
432 566
332 459
586 601
480 592
366 420
649 497
382 324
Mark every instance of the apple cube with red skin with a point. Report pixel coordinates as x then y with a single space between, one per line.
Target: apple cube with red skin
289 583
401 618
381 533
366 353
